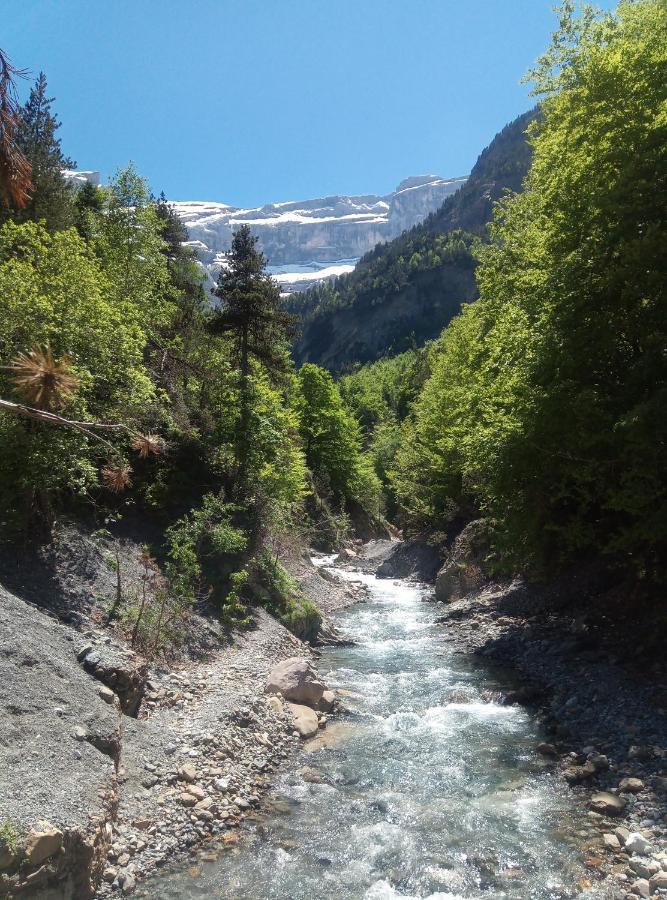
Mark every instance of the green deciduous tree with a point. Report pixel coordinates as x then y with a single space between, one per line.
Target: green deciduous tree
548 405
332 443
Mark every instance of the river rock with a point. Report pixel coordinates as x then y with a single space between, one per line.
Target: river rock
305 719
609 804
187 773
611 842
327 701
275 704
631 785
622 833
296 680
637 843
545 749
658 882
43 841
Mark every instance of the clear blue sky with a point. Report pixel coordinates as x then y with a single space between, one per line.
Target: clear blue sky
253 101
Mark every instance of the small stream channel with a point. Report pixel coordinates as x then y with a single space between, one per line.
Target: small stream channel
423 788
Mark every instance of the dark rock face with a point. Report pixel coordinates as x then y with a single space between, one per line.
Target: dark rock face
58 748
119 671
465 567
412 559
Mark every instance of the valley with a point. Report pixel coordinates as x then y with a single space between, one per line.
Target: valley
333 532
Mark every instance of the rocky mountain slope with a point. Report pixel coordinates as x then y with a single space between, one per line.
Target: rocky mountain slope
308 240
406 291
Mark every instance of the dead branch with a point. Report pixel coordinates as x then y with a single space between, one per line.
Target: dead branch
15 171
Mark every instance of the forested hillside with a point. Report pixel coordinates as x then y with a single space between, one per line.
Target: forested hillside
544 409
124 391
404 292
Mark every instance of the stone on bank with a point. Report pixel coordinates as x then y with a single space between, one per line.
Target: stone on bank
296 680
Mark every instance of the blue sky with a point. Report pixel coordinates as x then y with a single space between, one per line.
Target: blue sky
254 101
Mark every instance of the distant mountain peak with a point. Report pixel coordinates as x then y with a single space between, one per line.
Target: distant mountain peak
319 238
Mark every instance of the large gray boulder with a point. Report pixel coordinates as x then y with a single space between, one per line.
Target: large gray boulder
296 680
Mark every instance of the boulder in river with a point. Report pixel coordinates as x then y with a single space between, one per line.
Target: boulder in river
607 803
305 719
327 701
296 680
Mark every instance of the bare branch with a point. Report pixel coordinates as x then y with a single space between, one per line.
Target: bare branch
50 418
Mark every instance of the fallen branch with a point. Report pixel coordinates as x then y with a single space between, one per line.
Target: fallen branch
50 418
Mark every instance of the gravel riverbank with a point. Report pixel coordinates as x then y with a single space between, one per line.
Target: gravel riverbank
608 720
111 767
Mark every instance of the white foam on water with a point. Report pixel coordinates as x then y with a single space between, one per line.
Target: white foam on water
383 890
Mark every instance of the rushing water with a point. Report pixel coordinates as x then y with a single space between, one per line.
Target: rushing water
424 788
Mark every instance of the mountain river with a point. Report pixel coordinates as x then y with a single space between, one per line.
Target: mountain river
423 788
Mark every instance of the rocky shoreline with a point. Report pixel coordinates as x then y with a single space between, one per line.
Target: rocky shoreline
110 769
605 717
174 784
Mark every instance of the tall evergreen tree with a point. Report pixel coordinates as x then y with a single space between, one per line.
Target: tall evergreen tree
37 138
251 312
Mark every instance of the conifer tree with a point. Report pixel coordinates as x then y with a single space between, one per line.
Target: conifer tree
251 312
37 138
88 202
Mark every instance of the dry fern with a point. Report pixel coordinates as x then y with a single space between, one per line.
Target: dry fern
41 380
148 445
117 477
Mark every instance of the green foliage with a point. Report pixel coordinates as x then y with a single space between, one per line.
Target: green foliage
332 443
402 293
546 407
428 471
51 199
234 609
9 837
280 593
198 543
331 437
380 395
384 391
54 292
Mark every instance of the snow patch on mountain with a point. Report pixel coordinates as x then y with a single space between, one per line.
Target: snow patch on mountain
306 241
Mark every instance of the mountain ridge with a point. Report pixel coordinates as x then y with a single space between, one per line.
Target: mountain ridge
405 291
317 233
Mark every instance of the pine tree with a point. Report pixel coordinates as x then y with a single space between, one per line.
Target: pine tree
37 138
251 311
88 202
